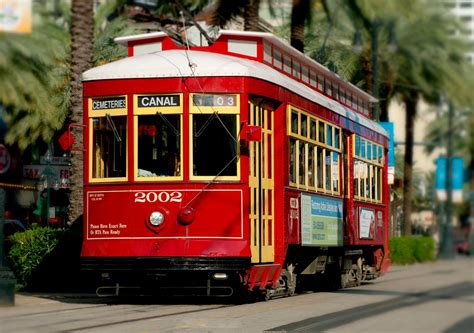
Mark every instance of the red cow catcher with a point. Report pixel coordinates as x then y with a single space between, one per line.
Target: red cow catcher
243 165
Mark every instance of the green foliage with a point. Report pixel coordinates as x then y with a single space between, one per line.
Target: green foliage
105 48
30 83
30 248
424 249
411 249
401 250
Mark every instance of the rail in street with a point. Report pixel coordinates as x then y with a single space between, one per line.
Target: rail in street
432 297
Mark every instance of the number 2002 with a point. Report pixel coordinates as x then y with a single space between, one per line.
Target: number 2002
158 196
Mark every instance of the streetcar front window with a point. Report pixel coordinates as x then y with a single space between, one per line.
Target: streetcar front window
159 148
109 147
215 145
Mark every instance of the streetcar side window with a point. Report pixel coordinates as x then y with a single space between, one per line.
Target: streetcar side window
292 160
214 144
314 153
109 147
159 145
368 166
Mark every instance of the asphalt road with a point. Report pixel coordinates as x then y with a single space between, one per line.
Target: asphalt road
432 297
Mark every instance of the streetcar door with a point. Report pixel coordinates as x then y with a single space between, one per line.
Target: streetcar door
261 186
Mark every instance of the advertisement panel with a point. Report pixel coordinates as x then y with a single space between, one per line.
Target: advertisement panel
15 16
366 223
389 127
457 179
321 221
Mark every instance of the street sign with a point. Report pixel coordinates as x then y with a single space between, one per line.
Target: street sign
457 178
388 126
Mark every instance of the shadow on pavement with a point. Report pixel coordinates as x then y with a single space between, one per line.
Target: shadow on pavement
344 317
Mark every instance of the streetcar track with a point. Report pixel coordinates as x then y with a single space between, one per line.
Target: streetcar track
142 319
340 318
38 314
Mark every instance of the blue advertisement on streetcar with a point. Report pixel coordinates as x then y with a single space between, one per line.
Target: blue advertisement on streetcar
321 221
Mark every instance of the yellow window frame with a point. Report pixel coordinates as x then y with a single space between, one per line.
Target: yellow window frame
318 145
226 110
372 164
146 111
101 114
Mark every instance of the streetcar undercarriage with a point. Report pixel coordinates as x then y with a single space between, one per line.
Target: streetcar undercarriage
305 270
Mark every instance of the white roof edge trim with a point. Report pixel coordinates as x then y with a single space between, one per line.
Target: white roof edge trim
295 53
157 65
126 39
274 39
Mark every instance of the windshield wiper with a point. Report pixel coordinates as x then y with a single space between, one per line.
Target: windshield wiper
111 123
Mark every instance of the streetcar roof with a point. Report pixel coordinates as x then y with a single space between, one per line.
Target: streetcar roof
183 63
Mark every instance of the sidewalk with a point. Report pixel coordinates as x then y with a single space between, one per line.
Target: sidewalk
27 303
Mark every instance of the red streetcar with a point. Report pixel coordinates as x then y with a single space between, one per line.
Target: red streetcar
240 167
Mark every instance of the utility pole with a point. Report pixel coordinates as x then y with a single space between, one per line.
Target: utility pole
446 250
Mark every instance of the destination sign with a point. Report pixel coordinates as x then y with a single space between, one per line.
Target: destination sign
109 103
215 100
158 100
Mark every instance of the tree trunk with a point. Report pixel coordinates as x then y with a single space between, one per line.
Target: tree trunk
251 15
410 104
384 101
82 34
299 13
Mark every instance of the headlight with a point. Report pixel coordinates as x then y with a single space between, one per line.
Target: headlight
156 219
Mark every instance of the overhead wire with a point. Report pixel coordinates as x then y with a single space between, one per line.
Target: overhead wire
192 67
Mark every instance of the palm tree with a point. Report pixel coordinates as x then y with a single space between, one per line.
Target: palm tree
427 61
300 14
462 137
85 52
33 82
82 35
225 11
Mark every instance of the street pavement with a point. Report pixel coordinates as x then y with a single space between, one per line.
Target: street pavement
430 297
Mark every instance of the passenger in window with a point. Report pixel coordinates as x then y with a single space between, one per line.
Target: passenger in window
311 167
292 161
170 165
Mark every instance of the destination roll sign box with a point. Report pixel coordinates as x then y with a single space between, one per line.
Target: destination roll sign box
111 105
149 101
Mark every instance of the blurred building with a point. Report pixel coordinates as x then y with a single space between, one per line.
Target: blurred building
464 10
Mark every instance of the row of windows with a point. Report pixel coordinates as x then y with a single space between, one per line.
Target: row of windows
314 149
368 166
318 81
314 167
367 181
368 151
315 158
314 130
158 141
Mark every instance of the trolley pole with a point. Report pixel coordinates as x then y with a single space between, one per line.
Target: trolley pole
447 239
